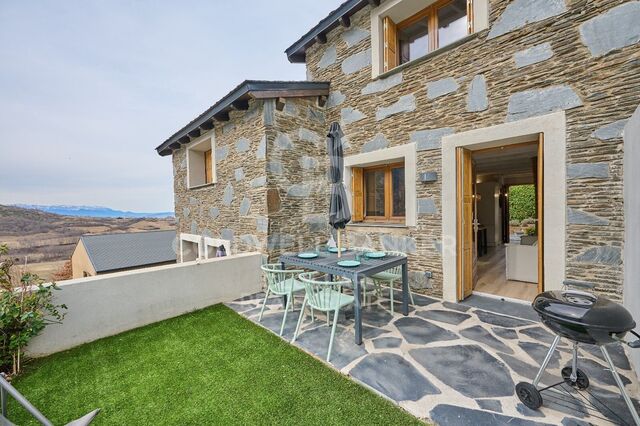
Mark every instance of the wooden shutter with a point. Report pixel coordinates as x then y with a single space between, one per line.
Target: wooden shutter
357 189
208 170
390 44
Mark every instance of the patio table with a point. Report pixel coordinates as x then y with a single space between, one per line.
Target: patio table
328 263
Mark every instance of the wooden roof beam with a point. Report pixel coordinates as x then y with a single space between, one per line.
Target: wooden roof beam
222 116
374 3
207 125
345 21
240 105
321 38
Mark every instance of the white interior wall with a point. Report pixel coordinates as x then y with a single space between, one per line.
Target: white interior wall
488 210
632 223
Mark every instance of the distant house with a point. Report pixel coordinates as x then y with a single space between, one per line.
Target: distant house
101 254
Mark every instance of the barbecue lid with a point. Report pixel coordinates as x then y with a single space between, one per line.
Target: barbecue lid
582 308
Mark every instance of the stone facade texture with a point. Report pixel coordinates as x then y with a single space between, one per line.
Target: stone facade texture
258 159
594 77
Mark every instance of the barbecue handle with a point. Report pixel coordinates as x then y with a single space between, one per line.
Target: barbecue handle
634 344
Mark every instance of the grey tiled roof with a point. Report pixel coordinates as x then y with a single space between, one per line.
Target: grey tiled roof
110 252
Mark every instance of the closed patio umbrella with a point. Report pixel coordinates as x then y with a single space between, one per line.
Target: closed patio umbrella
339 214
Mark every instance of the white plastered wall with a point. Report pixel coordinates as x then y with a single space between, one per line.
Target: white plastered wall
553 126
406 153
631 295
109 304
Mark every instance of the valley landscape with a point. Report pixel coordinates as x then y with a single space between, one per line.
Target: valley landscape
42 242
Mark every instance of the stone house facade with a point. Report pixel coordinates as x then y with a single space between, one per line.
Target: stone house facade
569 69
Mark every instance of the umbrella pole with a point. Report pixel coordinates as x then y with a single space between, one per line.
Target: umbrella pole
339 246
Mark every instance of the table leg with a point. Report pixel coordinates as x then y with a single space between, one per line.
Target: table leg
405 289
356 308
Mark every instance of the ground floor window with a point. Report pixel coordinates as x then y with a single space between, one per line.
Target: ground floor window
379 193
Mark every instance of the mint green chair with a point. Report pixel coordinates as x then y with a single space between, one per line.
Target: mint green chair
281 282
325 296
389 277
366 287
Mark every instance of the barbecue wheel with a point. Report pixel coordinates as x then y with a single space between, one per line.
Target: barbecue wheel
582 382
529 395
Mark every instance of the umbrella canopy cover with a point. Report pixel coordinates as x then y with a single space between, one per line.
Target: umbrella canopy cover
339 214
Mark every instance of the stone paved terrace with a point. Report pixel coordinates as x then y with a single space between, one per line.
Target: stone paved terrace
454 363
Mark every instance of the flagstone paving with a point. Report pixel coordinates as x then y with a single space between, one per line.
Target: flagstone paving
455 364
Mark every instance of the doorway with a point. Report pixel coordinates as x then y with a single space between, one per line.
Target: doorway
500 218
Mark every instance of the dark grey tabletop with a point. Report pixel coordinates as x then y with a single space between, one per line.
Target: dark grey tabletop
328 263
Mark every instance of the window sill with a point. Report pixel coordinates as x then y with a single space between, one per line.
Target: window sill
428 56
377 225
204 185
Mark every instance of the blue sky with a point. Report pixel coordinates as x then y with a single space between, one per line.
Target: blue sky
88 89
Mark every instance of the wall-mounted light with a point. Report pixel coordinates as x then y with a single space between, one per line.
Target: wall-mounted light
428 177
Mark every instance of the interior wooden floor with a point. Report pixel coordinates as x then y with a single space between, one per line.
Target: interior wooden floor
492 278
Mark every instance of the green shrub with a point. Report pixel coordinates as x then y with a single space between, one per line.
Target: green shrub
26 308
522 202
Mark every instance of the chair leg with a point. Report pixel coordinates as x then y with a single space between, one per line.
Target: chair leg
286 309
391 294
266 296
411 297
304 304
328 319
333 332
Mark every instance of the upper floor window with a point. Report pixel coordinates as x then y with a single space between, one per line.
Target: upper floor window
433 27
200 163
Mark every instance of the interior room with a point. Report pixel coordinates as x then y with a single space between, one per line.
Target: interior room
506 221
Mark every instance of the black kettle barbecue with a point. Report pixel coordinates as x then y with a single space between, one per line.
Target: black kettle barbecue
583 318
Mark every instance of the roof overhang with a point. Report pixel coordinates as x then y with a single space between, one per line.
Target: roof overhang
341 16
238 99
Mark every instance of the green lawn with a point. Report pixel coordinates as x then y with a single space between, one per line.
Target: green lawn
208 367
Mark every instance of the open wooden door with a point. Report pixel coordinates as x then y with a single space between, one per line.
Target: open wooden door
540 208
465 226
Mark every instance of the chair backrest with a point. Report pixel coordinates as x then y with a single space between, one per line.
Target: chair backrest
280 281
397 270
361 249
322 294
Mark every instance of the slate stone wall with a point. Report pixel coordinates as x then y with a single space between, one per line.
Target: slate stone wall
271 192
234 208
298 190
576 55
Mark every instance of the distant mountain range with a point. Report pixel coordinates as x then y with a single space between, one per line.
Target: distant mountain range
93 211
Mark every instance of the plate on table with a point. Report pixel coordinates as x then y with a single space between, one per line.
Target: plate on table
375 254
349 263
308 255
335 249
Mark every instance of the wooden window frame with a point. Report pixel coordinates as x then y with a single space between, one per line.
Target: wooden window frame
208 167
388 195
430 13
